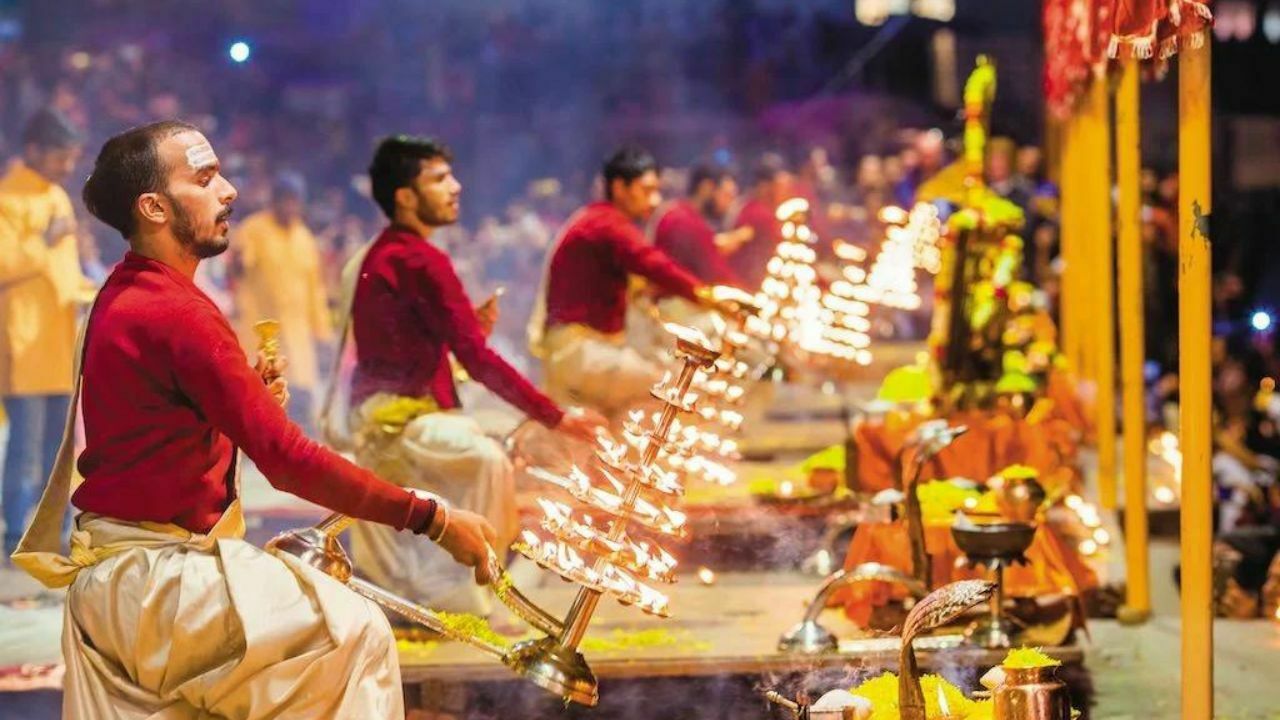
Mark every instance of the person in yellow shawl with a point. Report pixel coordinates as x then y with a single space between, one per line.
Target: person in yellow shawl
280 279
41 286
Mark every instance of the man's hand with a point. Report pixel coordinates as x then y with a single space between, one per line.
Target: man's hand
583 424
272 374
487 313
729 241
726 300
468 538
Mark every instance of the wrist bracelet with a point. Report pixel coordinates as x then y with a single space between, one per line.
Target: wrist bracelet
444 525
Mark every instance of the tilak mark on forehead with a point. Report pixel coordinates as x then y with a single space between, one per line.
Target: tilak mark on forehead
201 156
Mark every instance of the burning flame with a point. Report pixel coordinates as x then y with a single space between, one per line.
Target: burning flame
706 576
690 335
1165 446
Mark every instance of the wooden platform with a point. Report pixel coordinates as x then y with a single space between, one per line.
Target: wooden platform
724 635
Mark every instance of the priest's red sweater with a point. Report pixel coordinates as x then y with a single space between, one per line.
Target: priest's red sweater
587 280
167 397
410 310
686 236
749 261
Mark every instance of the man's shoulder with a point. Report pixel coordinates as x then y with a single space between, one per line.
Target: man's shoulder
20 182
392 254
600 222
756 209
683 214
134 297
13 179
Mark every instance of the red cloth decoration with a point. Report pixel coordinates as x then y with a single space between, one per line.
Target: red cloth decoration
1080 36
1140 27
1077 33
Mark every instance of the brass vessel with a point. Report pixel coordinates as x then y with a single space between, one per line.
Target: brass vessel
1032 694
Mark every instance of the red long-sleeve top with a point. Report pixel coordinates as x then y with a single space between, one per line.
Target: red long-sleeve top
687 238
410 310
749 261
167 397
587 281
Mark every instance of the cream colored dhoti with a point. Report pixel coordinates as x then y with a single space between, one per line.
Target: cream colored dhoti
587 367
183 626
445 453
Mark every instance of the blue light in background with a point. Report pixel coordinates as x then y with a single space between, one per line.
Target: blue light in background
239 51
1260 320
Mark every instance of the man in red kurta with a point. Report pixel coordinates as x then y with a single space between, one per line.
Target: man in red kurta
409 312
686 229
772 186
578 328
169 612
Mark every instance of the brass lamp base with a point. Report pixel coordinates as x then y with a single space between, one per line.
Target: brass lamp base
556 669
808 638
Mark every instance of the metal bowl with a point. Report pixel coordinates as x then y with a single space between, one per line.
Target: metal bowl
994 541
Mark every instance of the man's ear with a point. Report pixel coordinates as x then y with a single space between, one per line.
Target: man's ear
152 208
406 196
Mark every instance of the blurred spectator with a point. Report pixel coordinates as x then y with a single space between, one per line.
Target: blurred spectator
772 183
685 228
922 161
280 278
42 289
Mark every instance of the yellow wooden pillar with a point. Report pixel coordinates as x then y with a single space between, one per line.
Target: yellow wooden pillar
1094 282
1194 317
1069 244
1102 269
1132 334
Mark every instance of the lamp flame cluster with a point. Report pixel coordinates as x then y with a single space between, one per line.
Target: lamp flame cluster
794 308
628 488
910 243
710 431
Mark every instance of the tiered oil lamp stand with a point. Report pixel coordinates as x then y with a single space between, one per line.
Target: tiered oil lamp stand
632 492
621 561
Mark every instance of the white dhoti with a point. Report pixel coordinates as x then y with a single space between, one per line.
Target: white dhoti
586 367
180 626
445 453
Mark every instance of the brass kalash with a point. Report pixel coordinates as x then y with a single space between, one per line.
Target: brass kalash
622 567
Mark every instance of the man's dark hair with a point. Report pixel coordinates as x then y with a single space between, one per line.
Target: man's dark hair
397 162
627 164
769 166
50 128
128 166
703 173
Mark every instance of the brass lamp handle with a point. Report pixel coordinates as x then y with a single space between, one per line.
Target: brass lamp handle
507 593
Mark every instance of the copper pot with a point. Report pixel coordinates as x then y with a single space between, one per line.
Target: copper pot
1031 694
